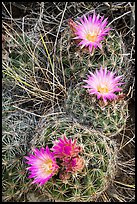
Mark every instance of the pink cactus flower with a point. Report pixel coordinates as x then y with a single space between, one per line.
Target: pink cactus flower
103 84
74 165
90 31
43 165
65 148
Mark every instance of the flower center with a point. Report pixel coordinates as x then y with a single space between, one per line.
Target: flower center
92 37
103 89
47 166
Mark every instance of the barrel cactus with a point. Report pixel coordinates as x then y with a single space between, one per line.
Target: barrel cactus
76 61
94 155
17 128
110 119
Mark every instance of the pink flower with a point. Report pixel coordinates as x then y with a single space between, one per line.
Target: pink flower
65 148
90 31
103 84
43 165
74 165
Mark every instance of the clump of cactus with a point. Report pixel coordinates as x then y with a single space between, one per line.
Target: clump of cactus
85 108
95 170
77 62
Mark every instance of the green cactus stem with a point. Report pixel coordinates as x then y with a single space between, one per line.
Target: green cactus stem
99 154
110 119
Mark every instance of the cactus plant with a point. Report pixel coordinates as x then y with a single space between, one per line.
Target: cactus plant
98 152
17 130
77 62
110 119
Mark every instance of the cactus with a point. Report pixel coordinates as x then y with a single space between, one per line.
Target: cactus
99 154
110 119
17 129
77 62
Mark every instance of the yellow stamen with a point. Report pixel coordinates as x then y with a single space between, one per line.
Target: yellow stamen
47 166
103 89
92 37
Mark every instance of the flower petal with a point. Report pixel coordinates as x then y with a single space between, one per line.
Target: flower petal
103 84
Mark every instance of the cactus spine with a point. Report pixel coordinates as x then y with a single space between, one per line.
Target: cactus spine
86 109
